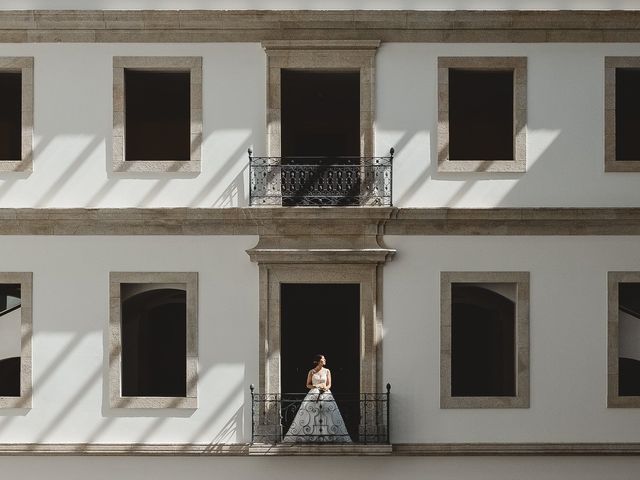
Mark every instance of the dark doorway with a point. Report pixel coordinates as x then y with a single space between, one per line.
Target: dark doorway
320 113
322 318
320 122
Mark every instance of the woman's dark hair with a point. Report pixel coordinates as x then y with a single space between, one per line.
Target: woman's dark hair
317 358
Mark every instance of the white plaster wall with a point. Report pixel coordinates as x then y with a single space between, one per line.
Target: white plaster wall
321 4
327 468
568 327
565 142
568 338
70 335
73 118
73 123
629 336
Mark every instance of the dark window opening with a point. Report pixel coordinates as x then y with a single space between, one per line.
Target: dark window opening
320 113
482 342
10 300
320 121
10 116
481 114
627 114
158 115
154 343
629 326
322 319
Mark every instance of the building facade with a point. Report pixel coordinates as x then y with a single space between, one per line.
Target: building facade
196 201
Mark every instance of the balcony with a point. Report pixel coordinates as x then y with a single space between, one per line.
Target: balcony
277 421
320 181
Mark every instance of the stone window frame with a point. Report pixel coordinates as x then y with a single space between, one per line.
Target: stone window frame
24 65
613 399
323 55
522 397
25 279
273 275
116 400
610 162
162 64
519 67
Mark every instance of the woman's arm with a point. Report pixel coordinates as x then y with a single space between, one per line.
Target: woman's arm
309 381
328 384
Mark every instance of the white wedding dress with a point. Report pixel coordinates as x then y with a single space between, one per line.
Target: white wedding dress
318 418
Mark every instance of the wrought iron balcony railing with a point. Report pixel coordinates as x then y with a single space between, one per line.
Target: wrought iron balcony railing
365 415
320 181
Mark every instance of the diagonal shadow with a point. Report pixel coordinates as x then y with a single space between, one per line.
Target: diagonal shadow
9 183
65 176
221 172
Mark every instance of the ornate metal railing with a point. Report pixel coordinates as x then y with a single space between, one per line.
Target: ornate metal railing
320 181
276 418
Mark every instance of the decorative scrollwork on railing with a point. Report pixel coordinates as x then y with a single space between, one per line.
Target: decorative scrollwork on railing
326 418
320 181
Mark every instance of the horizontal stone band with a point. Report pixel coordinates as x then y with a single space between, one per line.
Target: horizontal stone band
325 221
255 26
402 449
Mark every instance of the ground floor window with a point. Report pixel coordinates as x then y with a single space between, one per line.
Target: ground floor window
484 339
153 340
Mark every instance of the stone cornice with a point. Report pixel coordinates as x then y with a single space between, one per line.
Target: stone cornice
347 221
161 26
402 449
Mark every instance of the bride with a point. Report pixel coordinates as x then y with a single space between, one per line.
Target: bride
318 418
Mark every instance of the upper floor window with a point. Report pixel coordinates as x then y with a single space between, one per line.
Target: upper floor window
622 114
15 340
157 114
482 105
16 114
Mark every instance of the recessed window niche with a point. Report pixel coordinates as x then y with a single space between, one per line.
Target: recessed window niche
482 111
622 120
16 114
624 339
157 114
484 342
15 340
153 340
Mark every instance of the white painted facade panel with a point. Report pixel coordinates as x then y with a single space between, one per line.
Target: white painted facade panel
70 337
568 318
568 348
73 123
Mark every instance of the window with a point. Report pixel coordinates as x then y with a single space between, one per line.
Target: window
624 339
482 110
622 120
153 324
484 340
16 114
157 114
15 340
